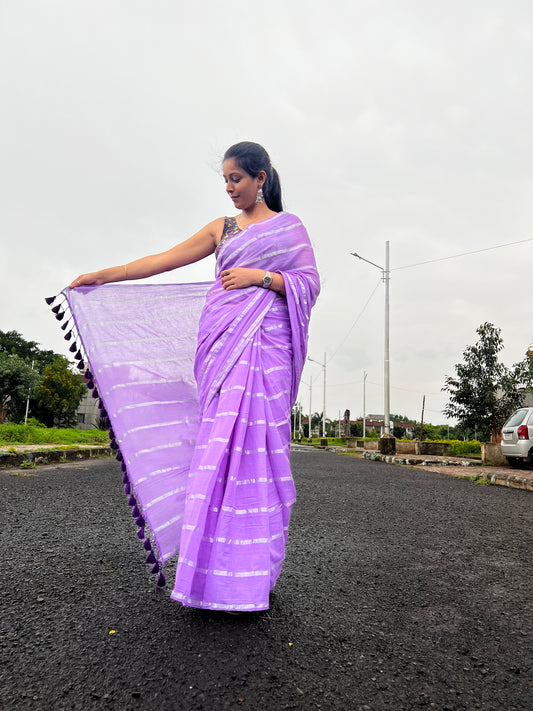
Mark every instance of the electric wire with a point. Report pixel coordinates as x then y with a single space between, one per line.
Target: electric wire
463 254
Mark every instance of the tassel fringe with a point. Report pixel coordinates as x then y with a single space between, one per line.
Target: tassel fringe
60 310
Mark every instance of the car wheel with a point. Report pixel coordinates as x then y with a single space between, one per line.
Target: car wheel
516 462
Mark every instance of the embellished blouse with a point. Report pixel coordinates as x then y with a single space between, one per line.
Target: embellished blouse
231 228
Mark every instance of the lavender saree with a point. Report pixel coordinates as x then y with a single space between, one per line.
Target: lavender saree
198 383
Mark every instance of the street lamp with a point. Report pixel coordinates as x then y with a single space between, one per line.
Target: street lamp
324 408
386 384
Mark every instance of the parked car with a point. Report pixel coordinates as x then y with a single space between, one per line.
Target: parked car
517 438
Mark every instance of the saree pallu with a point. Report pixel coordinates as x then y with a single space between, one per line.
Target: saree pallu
198 383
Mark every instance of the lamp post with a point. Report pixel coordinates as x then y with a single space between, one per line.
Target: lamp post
364 403
386 365
324 407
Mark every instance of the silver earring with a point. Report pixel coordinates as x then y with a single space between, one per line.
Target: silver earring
259 197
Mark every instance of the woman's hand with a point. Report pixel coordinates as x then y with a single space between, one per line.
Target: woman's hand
92 279
240 278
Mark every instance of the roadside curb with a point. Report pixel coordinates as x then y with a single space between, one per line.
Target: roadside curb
10 460
512 481
410 461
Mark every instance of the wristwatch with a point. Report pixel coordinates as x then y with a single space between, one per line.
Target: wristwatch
267 281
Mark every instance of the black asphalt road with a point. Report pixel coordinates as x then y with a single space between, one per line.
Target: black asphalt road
402 590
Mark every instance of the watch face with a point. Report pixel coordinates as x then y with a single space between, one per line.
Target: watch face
267 280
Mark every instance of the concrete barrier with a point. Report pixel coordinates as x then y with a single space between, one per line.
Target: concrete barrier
433 449
405 447
491 453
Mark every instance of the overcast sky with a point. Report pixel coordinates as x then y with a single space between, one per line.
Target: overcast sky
401 120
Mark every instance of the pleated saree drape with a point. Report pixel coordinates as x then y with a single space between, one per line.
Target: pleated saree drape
198 383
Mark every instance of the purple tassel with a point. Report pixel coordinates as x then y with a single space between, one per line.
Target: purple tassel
155 569
65 325
131 501
123 467
140 522
119 456
50 299
127 489
73 348
94 393
150 558
88 374
57 309
125 478
140 533
147 545
81 365
78 355
113 444
161 580
135 513
60 315
68 336
111 434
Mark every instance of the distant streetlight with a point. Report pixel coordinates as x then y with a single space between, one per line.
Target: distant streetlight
364 403
324 407
386 385
28 400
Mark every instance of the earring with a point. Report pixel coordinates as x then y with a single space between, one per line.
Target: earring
259 197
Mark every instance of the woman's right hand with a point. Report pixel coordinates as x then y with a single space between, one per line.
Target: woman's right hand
92 279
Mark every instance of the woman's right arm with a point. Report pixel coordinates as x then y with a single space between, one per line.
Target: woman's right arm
200 245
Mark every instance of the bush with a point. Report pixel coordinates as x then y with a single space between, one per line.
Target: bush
463 449
37 434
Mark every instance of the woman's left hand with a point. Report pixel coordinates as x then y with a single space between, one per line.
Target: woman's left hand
240 278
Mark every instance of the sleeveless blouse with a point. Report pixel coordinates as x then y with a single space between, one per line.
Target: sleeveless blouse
231 228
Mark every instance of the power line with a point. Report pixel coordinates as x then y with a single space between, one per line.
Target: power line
354 323
463 254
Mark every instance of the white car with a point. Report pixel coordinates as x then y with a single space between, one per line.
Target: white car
517 438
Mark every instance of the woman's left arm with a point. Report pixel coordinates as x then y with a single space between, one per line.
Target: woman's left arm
241 277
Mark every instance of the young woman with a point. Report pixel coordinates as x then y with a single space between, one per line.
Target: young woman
227 508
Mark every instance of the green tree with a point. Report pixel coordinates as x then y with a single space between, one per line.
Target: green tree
17 381
12 342
356 429
484 392
59 394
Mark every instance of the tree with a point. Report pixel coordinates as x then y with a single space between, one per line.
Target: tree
59 394
11 342
484 392
17 381
60 390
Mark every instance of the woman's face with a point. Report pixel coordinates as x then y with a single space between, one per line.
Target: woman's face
240 186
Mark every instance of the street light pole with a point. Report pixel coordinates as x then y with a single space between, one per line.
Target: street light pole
385 273
324 413
310 411
324 406
386 277
364 403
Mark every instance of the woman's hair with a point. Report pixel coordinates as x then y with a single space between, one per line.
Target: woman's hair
253 158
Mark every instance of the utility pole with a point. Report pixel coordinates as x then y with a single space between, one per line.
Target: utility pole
385 274
422 419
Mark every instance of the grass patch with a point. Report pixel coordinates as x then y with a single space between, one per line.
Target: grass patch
28 434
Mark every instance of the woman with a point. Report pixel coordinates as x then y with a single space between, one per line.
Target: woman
232 513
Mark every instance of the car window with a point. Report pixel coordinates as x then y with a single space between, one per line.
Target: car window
516 418
530 420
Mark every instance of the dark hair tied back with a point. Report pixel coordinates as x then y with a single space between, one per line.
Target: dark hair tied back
253 158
